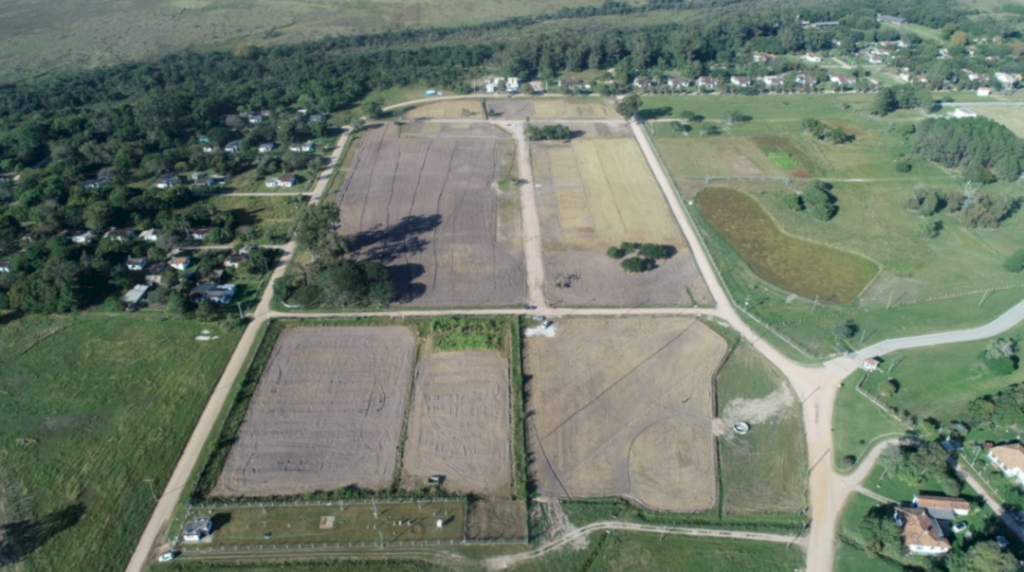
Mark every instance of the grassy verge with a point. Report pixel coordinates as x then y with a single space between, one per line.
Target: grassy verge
585 511
520 465
454 334
88 439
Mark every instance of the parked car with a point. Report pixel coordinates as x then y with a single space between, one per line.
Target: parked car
166 557
959 527
538 318
1017 515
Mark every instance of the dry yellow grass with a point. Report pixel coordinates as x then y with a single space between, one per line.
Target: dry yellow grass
604 194
652 376
450 109
552 108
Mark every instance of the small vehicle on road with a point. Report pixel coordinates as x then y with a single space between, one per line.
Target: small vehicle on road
166 557
538 318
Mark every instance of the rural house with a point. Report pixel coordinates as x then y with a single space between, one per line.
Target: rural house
642 82
962 112
83 237
1010 460
155 273
316 118
740 81
870 364
179 262
216 293
984 91
233 146
198 233
286 181
306 147
235 260
573 84
136 264
772 81
812 57
921 533
266 147
133 298
890 19
120 234
707 82
209 148
942 508
804 79
678 82
5 266
166 181
1007 79
197 530
95 183
149 235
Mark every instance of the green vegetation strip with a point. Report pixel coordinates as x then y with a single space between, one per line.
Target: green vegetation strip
581 512
453 334
520 465
799 266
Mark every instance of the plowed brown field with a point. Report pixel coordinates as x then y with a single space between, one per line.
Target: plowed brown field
623 407
430 208
327 413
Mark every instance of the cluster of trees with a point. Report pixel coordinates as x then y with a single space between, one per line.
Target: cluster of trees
825 132
641 257
816 200
548 132
1000 356
331 279
1004 409
986 150
905 96
921 464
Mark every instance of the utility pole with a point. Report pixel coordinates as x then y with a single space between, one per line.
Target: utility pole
241 315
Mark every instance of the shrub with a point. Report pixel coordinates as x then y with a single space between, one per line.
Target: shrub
636 264
791 201
615 252
849 461
903 167
823 212
1015 263
656 251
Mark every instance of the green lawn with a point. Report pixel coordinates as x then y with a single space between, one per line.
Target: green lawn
850 558
82 435
933 382
926 284
764 471
270 217
629 552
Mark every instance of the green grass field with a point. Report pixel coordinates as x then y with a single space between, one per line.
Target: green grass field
627 552
88 439
933 382
765 470
850 558
353 522
270 217
811 270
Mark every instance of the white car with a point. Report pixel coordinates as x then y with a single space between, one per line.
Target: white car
166 557
959 527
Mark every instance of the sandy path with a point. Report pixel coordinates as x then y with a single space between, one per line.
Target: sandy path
147 547
531 220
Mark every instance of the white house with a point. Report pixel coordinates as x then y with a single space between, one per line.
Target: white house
306 147
135 264
197 530
120 234
678 82
740 81
166 181
83 237
266 147
5 266
962 112
942 508
812 57
209 148
841 80
180 262
707 82
921 533
1007 79
133 298
642 82
870 364
149 235
233 146
216 293
804 79
984 91
772 81
1010 460
283 181
512 84
235 260
198 232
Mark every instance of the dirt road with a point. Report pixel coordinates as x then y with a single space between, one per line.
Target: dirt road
164 511
531 220
577 534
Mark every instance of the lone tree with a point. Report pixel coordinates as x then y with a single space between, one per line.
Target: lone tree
636 264
615 252
1015 263
629 105
845 331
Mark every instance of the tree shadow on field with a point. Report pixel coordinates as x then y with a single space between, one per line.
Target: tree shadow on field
220 520
20 539
387 244
654 113
402 276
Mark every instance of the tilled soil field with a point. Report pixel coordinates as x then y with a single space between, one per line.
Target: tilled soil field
624 407
459 423
553 108
594 193
430 208
327 413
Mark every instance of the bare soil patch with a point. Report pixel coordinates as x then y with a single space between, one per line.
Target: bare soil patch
448 109
553 108
327 413
496 519
593 193
459 423
431 209
624 407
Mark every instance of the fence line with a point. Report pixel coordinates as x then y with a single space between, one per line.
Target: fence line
296 503
877 403
339 545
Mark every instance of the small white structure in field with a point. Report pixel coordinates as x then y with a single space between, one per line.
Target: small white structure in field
440 523
870 364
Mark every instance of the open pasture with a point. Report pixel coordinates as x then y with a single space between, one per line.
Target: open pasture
593 193
459 423
1011 117
653 377
327 413
715 157
431 209
95 410
447 109
353 521
811 270
552 108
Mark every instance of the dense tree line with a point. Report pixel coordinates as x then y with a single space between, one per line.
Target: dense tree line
980 146
904 96
548 132
136 121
